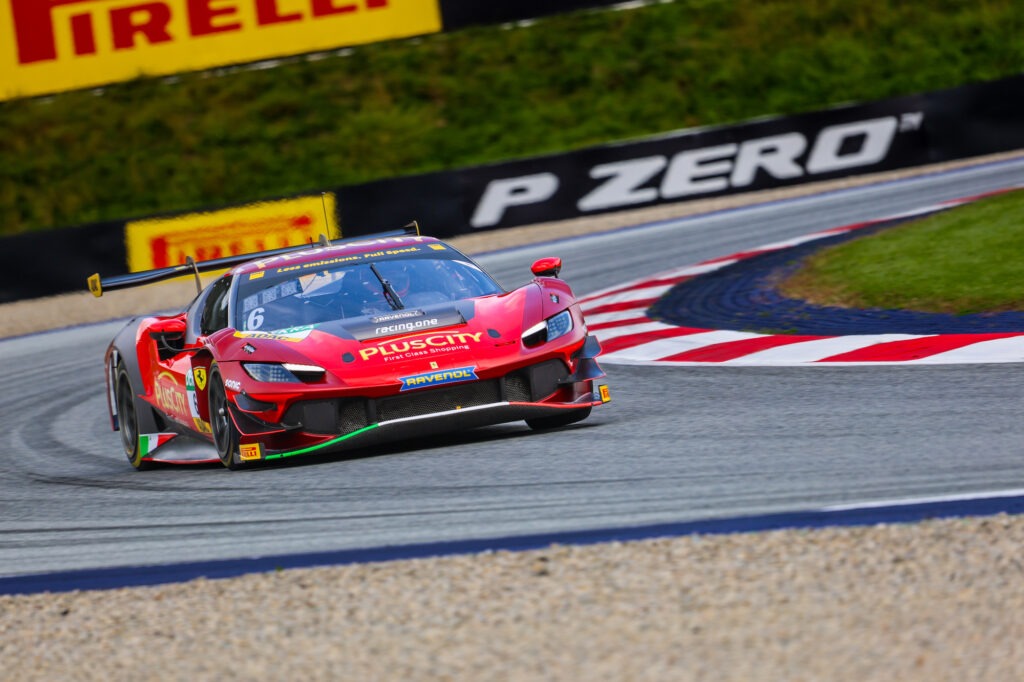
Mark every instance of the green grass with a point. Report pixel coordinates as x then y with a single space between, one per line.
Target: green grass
478 96
966 260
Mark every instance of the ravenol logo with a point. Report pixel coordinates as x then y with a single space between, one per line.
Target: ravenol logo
441 377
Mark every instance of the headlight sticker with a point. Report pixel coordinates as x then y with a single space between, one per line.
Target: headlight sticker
559 325
292 334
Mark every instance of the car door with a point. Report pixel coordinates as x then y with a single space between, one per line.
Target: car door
180 382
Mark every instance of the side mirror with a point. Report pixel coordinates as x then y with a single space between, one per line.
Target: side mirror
169 336
547 267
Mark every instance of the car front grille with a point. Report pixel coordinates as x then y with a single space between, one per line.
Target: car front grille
517 387
346 415
351 415
328 416
439 400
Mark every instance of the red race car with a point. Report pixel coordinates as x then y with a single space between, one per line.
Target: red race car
317 348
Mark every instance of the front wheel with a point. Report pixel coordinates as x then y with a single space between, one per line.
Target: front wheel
557 420
225 435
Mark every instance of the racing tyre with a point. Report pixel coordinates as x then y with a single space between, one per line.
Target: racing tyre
557 420
225 435
128 419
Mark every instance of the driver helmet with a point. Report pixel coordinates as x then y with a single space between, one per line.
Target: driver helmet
399 277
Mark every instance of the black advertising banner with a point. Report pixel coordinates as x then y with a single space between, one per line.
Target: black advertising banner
765 154
972 120
57 261
433 200
456 14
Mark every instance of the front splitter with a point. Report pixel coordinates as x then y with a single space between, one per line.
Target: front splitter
432 424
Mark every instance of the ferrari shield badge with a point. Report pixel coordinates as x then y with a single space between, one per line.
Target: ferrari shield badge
200 374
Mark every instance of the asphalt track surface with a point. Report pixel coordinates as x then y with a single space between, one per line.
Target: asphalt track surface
676 444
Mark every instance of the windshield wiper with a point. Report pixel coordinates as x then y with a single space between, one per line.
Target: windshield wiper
389 291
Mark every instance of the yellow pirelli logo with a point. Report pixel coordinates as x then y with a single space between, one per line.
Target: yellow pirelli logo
249 451
162 242
53 45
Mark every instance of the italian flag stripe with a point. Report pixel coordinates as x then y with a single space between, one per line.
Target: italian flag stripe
148 442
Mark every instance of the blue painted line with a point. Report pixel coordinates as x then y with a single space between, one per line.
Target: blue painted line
137 576
743 297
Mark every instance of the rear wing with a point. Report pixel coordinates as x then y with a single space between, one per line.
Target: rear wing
97 285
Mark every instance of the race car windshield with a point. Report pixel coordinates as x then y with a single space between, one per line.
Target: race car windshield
310 293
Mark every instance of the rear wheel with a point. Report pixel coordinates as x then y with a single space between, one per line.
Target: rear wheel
225 435
128 419
557 420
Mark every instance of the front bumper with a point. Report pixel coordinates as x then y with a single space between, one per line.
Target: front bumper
321 425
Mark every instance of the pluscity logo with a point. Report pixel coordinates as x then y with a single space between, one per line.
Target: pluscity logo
168 396
706 170
36 28
447 376
438 343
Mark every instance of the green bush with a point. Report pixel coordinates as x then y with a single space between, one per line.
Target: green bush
477 96
965 260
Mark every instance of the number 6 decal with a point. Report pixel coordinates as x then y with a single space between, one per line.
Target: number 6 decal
255 320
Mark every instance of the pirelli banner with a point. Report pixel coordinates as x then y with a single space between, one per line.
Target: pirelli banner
161 242
49 46
54 45
57 261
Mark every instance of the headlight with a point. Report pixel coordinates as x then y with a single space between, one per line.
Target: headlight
273 373
549 330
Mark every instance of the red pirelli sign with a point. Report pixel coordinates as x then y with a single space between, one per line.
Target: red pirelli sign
53 45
